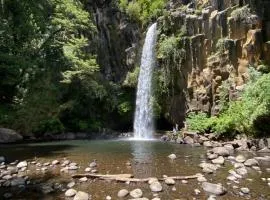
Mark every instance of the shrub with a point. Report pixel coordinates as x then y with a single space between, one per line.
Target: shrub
200 122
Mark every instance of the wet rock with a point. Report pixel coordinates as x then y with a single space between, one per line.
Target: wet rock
46 189
17 181
152 180
136 193
88 169
213 188
70 193
207 144
184 181
251 162
222 151
22 164
264 150
197 191
71 184
245 190
156 187
169 181
172 156
83 179
238 165
122 193
73 168
55 162
220 160
201 179
93 164
212 156
240 158
179 140
188 140
81 196
242 171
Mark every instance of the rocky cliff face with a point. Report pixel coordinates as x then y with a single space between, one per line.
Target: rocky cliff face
220 39
117 39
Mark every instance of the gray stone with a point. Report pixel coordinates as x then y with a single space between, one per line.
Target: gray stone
207 144
201 179
172 156
71 184
169 181
83 179
122 193
245 190
73 167
188 140
9 136
70 193
55 162
213 188
222 151
251 162
212 156
264 150
238 165
17 181
242 171
93 164
136 193
240 158
81 196
197 191
88 169
152 180
22 164
220 160
46 189
156 187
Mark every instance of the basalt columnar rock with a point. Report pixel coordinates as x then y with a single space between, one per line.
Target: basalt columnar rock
219 39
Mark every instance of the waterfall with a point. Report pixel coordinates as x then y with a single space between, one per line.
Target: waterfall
143 122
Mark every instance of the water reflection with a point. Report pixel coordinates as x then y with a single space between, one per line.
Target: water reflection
143 161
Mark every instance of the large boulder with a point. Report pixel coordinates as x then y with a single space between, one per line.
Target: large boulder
9 136
213 188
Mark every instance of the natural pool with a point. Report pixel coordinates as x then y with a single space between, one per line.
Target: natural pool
147 158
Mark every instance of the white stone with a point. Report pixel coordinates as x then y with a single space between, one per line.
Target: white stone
240 158
22 164
83 179
55 162
156 187
136 193
70 193
172 156
122 193
220 160
81 196
71 184
216 189
245 190
169 181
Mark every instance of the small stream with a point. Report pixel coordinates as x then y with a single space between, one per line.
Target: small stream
147 158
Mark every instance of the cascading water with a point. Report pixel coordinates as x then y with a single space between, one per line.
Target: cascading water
143 122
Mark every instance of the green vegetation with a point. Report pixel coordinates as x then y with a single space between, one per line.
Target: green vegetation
242 14
248 115
143 10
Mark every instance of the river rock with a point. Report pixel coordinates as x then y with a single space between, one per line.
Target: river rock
136 193
9 136
242 171
238 165
55 162
81 196
264 150
12 170
83 179
87 169
197 191
108 198
71 184
211 197
122 193
169 181
222 151
22 164
240 158
229 147
207 144
152 180
220 160
245 190
7 177
70 193
251 162
156 187
93 164
17 181
188 140
213 188
201 179
212 156
66 162
73 167
172 156
46 188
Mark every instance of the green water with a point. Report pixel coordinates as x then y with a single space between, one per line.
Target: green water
147 158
